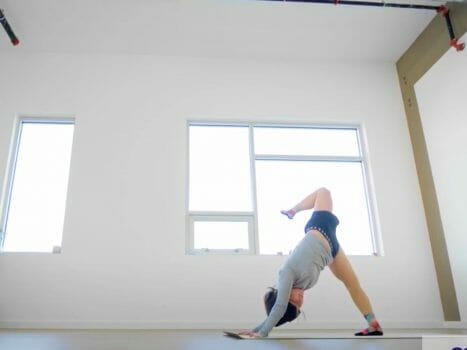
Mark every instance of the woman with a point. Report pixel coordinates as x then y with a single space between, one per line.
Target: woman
318 249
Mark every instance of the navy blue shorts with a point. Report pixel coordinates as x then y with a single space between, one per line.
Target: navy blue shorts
326 223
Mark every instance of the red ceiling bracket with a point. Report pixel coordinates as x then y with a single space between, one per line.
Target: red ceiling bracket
443 10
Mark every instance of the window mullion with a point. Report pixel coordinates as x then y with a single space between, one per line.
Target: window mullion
214 214
308 158
254 236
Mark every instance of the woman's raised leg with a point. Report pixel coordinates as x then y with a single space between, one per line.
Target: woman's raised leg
319 200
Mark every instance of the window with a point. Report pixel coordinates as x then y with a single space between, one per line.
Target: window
33 205
242 175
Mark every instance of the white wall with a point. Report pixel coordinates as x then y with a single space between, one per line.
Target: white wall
123 262
441 95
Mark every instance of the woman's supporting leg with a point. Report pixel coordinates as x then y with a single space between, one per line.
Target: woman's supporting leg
343 270
319 200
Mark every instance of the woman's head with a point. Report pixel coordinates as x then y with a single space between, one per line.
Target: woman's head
291 313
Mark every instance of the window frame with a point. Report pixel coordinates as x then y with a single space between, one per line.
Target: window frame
7 189
203 216
363 158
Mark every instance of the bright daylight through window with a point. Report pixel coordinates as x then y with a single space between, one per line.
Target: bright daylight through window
242 175
33 205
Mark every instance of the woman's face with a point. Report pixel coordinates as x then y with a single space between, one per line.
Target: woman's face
296 297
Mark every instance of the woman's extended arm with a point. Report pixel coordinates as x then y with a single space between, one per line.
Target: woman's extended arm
284 287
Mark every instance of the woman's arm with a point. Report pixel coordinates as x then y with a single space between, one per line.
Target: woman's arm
284 287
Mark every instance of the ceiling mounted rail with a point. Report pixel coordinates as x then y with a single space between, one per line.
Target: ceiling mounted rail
443 10
364 3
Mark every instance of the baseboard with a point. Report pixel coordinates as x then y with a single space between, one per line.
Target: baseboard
455 325
146 325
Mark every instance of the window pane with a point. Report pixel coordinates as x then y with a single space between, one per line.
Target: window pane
306 141
219 169
220 235
37 203
281 184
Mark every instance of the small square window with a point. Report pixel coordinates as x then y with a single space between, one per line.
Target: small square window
221 233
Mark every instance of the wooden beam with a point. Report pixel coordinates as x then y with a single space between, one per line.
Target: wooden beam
426 50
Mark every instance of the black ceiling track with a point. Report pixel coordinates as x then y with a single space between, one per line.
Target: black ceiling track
364 3
442 9
14 40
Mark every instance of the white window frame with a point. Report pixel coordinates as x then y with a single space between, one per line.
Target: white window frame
193 216
246 217
11 167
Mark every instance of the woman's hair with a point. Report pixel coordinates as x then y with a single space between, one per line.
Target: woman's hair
291 313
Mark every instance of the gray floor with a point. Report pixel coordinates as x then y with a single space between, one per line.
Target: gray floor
199 340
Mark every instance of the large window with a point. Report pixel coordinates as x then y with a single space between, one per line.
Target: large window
242 175
33 201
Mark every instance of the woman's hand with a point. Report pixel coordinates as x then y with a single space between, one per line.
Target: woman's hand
249 334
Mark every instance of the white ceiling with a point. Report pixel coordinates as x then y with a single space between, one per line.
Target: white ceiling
215 28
